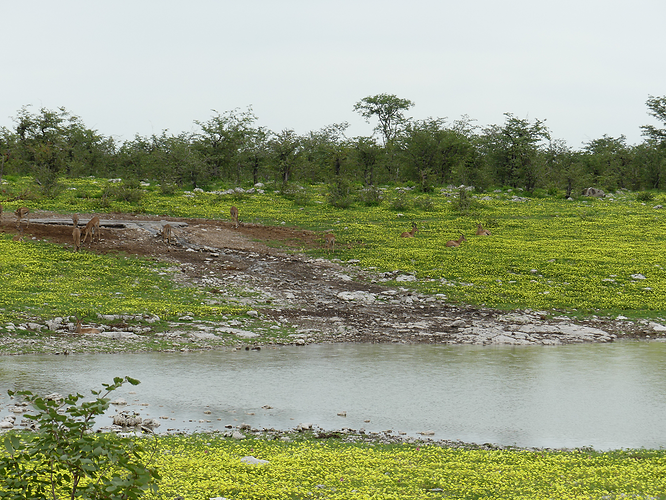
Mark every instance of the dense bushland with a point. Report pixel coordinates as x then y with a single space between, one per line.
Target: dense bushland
231 147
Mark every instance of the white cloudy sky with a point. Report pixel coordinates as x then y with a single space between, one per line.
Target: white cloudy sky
131 67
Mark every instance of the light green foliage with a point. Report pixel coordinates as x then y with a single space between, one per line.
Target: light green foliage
201 467
63 458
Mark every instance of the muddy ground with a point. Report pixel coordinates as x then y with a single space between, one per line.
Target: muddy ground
323 300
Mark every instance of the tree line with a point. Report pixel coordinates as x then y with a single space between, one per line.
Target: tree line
231 148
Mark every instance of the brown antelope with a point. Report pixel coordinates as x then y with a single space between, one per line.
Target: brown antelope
167 235
76 236
92 229
411 233
482 232
330 242
456 243
80 329
20 213
234 216
19 236
75 220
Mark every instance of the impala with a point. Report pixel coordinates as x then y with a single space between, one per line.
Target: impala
92 229
20 213
481 232
456 243
19 236
330 242
76 236
411 233
167 234
234 216
79 329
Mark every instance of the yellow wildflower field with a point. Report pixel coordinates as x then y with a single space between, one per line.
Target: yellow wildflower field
587 255
200 467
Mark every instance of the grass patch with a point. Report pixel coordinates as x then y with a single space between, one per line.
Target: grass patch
208 466
545 253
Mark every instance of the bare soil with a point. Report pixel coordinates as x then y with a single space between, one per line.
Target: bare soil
309 293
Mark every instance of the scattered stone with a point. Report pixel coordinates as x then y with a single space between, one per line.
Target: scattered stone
253 461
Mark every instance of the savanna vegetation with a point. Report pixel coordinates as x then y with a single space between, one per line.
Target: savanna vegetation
550 249
231 147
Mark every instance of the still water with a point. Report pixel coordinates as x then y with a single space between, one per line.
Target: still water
602 395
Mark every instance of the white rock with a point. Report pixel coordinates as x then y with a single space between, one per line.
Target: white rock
358 296
238 435
638 276
405 277
254 461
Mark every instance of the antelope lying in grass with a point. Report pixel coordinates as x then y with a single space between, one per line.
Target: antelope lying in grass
92 229
234 216
80 329
411 233
330 242
482 232
456 243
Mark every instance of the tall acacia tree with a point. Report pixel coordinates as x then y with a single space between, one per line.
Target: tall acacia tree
657 108
389 110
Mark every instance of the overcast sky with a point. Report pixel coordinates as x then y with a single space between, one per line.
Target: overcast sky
143 66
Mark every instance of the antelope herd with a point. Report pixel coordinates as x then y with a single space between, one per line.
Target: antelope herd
480 231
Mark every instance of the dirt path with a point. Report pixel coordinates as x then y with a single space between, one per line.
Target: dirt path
323 300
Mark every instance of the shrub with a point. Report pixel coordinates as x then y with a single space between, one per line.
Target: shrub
129 191
464 203
645 196
64 456
298 194
399 201
339 194
424 203
370 196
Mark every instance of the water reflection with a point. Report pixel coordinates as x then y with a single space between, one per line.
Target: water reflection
605 396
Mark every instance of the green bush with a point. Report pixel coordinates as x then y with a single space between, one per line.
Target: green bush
65 459
645 196
339 194
370 196
399 202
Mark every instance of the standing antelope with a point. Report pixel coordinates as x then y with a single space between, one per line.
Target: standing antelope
20 213
76 233
92 229
456 243
19 236
411 233
330 242
234 216
167 234
482 232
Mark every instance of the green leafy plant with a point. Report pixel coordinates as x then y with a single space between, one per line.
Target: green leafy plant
339 194
65 459
645 196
